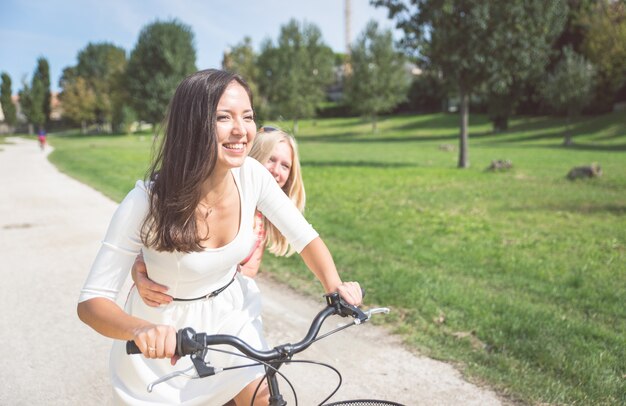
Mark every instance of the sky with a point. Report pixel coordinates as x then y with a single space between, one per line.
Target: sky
59 29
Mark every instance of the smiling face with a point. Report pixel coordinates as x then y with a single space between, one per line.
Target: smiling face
280 162
235 127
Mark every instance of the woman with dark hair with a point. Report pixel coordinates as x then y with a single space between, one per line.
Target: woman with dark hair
278 152
193 222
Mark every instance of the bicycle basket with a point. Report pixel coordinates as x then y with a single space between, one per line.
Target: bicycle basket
363 402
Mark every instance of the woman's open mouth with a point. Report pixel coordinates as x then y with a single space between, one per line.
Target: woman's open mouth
238 147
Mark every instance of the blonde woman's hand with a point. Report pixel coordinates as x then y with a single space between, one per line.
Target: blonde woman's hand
351 292
152 293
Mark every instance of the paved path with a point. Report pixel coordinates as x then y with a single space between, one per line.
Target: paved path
50 228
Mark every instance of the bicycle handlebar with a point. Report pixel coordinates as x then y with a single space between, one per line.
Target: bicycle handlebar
189 342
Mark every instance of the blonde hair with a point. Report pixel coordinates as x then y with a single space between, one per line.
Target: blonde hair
266 139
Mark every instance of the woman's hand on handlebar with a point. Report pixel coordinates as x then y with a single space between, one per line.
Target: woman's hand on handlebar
152 293
157 341
351 292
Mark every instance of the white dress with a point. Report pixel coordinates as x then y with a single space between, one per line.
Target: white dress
236 310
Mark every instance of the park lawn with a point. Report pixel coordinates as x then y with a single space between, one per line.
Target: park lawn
516 277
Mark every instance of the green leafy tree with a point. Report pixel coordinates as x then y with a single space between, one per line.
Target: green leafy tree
378 81
163 56
575 30
468 41
523 34
122 114
605 47
78 97
101 65
32 99
8 108
568 89
43 75
428 93
296 71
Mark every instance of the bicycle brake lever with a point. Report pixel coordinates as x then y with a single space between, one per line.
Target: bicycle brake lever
345 309
169 376
353 311
376 310
202 368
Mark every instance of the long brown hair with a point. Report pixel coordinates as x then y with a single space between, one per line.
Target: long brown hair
185 159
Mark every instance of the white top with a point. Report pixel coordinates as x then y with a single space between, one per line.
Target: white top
234 311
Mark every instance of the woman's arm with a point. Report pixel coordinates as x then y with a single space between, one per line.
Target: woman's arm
108 319
97 306
281 212
318 259
152 293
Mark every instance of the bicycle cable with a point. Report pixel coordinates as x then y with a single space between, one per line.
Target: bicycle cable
258 362
323 364
293 391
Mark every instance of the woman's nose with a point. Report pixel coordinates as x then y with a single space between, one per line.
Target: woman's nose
239 127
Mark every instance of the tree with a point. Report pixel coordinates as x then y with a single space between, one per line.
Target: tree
575 30
427 93
79 99
32 99
8 108
122 115
468 41
605 47
296 71
569 87
523 34
43 75
378 81
101 65
163 56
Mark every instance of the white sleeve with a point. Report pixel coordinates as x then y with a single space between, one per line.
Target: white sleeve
119 248
281 211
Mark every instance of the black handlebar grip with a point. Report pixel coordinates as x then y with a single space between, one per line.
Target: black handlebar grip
131 348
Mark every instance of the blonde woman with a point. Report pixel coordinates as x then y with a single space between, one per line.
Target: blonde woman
278 152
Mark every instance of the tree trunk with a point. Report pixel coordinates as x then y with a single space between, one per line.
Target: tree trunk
31 129
374 122
568 131
464 138
295 126
83 127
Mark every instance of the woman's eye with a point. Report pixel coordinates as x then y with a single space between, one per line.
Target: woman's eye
222 118
249 118
286 167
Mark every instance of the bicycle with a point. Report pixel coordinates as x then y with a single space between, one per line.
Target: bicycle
197 345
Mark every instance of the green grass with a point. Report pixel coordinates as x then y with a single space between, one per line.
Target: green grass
517 277
110 164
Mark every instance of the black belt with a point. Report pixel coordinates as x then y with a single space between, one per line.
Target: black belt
210 295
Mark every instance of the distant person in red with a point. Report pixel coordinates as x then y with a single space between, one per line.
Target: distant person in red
42 138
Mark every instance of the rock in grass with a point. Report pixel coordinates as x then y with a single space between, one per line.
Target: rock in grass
581 172
500 165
